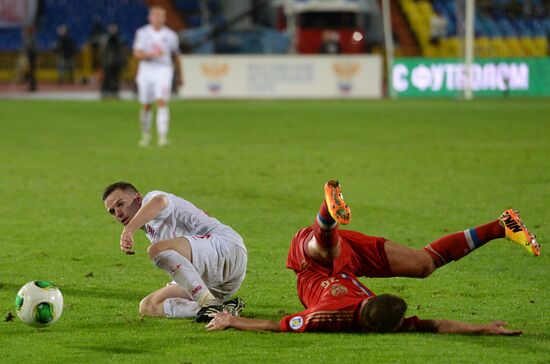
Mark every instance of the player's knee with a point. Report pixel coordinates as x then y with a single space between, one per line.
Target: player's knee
424 272
145 307
156 248
152 251
150 307
426 267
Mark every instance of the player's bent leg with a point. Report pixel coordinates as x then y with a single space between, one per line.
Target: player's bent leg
174 257
152 304
171 301
221 258
180 245
325 247
408 262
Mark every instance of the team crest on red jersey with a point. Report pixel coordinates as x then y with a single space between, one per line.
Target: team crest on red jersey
338 290
296 322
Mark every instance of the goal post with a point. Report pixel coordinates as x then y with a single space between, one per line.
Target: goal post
469 24
389 46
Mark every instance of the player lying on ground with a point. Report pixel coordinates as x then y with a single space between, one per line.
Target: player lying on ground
205 258
327 262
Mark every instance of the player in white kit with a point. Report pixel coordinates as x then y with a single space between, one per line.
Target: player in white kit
205 258
157 49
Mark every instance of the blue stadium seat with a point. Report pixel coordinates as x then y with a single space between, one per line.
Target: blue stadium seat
10 38
79 16
506 27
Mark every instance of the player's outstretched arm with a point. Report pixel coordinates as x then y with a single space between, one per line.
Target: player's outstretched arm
458 327
223 320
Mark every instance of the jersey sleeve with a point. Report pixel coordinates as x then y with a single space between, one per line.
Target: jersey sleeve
311 320
139 41
167 210
294 323
299 322
175 49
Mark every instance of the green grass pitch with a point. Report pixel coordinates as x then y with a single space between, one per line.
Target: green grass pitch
411 171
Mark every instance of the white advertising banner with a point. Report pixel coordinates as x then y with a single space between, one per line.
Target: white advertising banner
17 13
282 76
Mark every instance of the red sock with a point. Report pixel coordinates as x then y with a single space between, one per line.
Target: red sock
325 229
326 238
455 246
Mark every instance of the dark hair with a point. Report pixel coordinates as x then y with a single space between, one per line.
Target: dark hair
125 186
383 313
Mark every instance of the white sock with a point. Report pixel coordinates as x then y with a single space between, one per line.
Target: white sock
145 118
163 119
177 307
185 275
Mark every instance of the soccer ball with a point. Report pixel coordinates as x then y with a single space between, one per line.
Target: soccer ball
39 303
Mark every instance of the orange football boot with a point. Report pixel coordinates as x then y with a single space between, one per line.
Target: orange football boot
337 207
518 233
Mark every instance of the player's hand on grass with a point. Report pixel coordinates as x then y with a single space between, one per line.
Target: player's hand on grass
127 242
220 321
497 328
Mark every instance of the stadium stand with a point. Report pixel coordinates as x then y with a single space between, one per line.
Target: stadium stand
502 32
79 16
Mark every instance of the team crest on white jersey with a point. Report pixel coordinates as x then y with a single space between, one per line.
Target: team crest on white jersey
150 231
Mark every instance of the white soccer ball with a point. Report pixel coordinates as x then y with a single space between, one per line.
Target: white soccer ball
39 303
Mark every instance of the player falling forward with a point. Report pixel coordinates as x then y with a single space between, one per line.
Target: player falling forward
328 261
157 49
205 258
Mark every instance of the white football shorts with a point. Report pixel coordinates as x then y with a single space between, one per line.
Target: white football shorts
220 258
154 86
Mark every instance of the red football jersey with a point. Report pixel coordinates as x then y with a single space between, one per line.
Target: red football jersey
333 295
338 308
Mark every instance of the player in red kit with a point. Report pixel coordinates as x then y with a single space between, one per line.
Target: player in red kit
327 262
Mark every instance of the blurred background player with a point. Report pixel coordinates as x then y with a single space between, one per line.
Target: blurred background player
328 261
157 49
112 61
205 258
30 51
66 50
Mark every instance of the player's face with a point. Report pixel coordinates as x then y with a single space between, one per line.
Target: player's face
123 205
157 17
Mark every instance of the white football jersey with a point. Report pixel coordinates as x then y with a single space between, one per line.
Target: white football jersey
179 218
148 39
